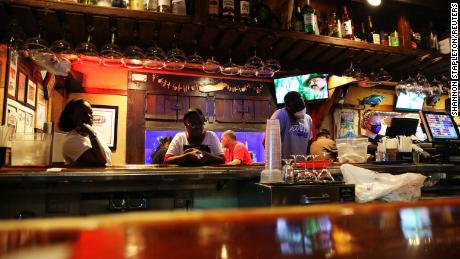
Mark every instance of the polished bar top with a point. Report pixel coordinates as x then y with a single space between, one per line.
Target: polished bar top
422 229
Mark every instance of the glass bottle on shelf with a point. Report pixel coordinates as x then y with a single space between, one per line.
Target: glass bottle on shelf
362 33
164 6
347 27
179 7
372 35
297 18
151 5
308 13
105 3
245 11
213 9
228 10
334 26
136 5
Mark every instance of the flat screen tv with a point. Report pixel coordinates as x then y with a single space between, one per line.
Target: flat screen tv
439 126
313 87
409 101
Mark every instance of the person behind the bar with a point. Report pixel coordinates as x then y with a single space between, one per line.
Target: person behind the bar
371 124
295 125
324 146
196 146
82 145
235 152
158 156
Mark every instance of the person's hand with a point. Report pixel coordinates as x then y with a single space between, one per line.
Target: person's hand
194 154
86 130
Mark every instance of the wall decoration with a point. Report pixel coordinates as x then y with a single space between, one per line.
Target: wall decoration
12 75
31 94
21 121
346 123
11 116
41 108
29 127
22 85
105 122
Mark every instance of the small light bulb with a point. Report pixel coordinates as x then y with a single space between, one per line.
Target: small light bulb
374 2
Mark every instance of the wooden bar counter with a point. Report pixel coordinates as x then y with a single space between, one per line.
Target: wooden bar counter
422 229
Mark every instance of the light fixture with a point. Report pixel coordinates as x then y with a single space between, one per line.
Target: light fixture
374 2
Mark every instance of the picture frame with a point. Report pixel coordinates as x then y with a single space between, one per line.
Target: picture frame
105 122
12 75
11 116
22 85
31 94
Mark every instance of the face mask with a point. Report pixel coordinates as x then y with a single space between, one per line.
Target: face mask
376 128
300 114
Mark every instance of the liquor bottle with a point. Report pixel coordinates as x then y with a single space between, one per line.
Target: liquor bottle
213 9
261 13
245 11
152 5
297 18
228 10
362 33
334 26
164 6
179 7
136 5
394 39
347 26
384 38
372 35
308 13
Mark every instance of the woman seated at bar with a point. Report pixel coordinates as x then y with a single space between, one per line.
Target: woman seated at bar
196 146
82 144
158 156
372 124
235 152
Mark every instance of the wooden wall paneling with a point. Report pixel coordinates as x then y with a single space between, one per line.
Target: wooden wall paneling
263 109
248 110
227 109
198 102
161 106
135 128
182 104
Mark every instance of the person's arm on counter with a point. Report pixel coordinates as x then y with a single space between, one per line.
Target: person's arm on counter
96 154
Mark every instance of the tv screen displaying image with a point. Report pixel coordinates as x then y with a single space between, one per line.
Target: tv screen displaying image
312 87
409 102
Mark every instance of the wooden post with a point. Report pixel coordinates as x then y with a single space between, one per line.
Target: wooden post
405 32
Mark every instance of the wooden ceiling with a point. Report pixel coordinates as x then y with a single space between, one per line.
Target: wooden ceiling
297 52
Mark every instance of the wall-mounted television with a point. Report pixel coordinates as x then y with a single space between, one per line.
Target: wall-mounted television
409 102
439 126
313 87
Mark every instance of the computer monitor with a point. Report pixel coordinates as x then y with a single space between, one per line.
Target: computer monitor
402 127
409 102
439 126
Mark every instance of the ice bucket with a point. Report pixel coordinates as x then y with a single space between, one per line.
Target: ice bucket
30 149
352 150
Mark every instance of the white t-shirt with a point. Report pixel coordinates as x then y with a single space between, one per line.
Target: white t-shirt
75 145
210 139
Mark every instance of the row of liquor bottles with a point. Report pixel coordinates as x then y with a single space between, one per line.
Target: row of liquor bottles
180 7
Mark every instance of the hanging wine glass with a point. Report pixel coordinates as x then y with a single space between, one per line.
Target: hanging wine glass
230 68
155 56
134 57
252 65
175 58
350 71
195 61
62 47
87 52
211 65
111 53
269 68
383 75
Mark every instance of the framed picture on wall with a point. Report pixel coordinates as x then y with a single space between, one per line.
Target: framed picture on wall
29 125
41 108
105 122
31 94
12 75
21 123
22 85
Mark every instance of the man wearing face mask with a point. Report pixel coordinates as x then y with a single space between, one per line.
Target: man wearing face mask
372 124
295 126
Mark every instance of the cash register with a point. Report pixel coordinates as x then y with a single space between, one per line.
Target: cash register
443 134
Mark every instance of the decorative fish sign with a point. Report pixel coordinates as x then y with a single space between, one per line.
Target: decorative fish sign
372 100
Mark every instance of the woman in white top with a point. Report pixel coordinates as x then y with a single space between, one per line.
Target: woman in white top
82 145
196 146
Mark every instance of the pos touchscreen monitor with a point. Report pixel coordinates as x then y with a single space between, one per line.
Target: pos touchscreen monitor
439 126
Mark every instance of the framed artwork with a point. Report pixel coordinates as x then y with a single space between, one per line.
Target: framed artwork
41 108
12 75
31 94
22 85
346 123
11 116
21 123
29 123
105 122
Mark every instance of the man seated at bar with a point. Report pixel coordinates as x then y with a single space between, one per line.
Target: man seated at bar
324 146
235 152
82 145
158 156
196 146
372 124
295 126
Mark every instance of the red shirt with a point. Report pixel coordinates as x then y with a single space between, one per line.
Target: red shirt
238 151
